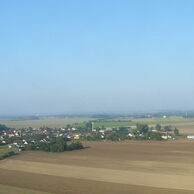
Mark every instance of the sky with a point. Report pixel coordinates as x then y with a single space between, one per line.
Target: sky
70 56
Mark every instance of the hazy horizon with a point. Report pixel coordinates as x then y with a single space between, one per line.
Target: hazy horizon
102 56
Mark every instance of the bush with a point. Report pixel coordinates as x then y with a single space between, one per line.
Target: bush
54 148
155 136
59 145
7 154
44 147
75 146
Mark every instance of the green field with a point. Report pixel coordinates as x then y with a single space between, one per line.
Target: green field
185 125
168 121
5 152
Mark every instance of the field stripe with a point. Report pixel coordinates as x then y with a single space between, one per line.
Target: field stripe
106 175
7 189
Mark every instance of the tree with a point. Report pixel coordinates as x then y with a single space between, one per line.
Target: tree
61 145
155 136
3 127
58 146
123 130
89 125
158 127
54 148
96 136
167 128
44 147
68 126
75 146
143 129
176 131
113 137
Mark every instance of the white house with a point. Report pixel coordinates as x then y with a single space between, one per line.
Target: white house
130 135
190 136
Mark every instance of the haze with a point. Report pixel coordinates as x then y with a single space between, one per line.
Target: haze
79 56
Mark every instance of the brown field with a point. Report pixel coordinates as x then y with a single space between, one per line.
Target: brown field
48 121
136 167
185 128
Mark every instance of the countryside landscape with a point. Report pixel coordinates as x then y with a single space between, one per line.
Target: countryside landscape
103 165
96 97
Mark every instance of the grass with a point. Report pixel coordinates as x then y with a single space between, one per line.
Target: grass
5 152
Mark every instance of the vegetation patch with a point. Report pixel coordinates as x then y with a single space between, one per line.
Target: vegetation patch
56 146
5 152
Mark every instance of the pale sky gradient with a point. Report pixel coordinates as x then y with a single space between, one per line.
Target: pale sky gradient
106 55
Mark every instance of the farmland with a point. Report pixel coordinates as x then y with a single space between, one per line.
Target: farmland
117 122
148 121
47 121
5 189
185 125
138 167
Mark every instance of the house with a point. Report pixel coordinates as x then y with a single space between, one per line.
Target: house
25 143
108 129
77 136
166 136
130 135
13 146
190 136
9 146
101 131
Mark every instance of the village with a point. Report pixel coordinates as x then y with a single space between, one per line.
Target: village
20 138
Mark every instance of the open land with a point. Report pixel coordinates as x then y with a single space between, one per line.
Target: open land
138 167
185 125
51 122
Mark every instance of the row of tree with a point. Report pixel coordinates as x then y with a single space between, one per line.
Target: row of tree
56 146
167 128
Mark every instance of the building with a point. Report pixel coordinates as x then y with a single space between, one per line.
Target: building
190 136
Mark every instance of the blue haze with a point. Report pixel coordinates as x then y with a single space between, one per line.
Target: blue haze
106 55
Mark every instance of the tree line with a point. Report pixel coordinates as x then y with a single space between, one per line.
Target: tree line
56 146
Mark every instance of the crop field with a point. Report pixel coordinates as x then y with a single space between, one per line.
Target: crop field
153 121
5 189
138 167
186 126
48 121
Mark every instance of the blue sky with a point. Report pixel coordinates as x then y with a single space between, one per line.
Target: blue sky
79 56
